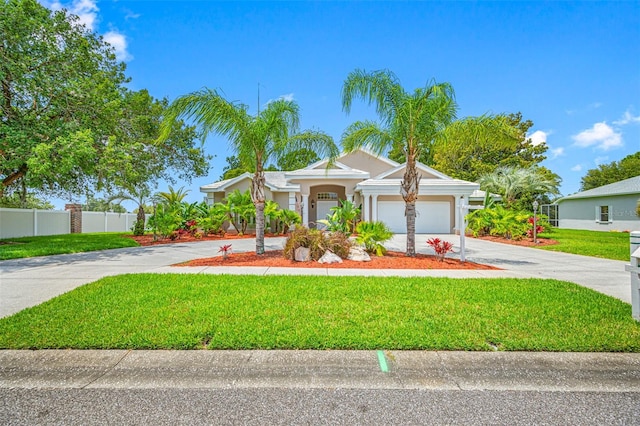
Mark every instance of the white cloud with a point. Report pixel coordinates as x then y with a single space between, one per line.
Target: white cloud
130 14
627 118
86 10
600 160
119 43
576 168
600 136
557 152
538 137
288 97
590 107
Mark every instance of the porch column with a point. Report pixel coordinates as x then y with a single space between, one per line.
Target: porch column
292 201
305 210
349 197
374 208
365 207
458 200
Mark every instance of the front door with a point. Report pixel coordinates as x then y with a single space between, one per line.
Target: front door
326 201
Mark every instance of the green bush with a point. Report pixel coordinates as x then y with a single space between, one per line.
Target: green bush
502 222
288 218
138 228
317 242
372 235
343 218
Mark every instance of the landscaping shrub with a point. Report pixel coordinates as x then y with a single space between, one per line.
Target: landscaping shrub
372 235
287 219
338 243
317 242
343 218
138 228
502 222
441 247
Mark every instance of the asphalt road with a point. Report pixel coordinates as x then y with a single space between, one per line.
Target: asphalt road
277 406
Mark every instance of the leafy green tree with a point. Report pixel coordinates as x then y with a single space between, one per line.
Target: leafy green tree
60 87
93 204
67 124
475 146
136 160
612 172
256 140
232 168
411 122
297 159
24 200
513 182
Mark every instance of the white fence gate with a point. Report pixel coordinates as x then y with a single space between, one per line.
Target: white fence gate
15 223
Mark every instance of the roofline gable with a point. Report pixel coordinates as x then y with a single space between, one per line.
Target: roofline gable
419 166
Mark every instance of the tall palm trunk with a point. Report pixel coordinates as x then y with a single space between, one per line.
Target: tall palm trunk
257 194
409 190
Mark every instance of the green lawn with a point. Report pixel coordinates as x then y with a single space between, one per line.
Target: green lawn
608 245
18 248
179 311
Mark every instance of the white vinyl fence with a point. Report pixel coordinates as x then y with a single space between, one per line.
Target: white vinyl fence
16 223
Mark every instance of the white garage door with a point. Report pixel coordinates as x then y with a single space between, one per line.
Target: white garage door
432 217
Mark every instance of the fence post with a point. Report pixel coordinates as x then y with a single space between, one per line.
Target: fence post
634 269
75 217
35 222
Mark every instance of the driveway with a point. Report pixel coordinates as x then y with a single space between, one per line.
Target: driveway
29 282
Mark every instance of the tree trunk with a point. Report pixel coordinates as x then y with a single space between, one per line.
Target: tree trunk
410 211
409 190
259 227
257 194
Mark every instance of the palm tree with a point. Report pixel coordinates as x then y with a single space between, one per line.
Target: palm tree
513 182
139 196
173 197
410 121
267 136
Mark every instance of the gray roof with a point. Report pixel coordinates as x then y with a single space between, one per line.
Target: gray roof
624 187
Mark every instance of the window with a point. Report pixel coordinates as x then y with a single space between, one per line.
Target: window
603 214
327 196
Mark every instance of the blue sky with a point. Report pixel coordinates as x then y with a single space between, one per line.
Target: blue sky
573 68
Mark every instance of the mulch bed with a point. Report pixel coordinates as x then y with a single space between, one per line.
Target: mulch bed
392 260
525 242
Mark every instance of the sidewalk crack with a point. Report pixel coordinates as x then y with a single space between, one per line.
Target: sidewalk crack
108 370
447 372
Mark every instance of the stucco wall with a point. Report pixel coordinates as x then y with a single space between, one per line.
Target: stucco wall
361 161
581 213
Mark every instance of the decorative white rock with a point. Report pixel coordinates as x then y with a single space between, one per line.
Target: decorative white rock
302 254
329 257
358 254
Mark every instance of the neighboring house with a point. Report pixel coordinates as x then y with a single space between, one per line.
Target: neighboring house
371 182
609 207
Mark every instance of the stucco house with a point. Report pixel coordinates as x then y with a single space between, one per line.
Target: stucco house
368 181
607 208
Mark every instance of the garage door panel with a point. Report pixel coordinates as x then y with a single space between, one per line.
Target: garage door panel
432 217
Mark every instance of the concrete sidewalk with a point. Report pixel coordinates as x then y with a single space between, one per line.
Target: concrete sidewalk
423 370
29 282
